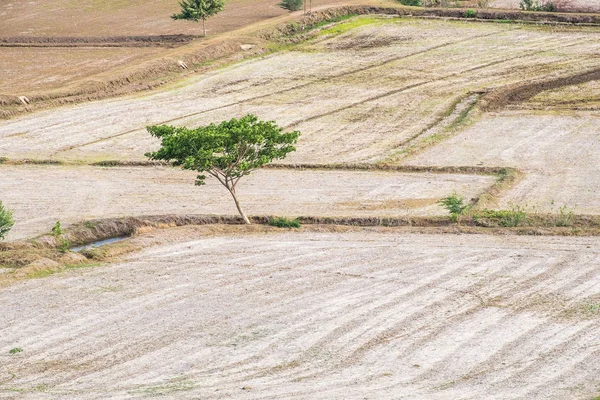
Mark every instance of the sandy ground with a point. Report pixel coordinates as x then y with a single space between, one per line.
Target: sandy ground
359 96
558 154
39 196
313 316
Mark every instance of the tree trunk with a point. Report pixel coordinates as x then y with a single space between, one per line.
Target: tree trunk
204 26
239 207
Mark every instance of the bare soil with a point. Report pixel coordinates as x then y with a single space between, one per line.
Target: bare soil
312 315
557 153
41 195
351 104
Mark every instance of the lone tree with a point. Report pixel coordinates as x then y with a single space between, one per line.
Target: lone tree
196 10
228 151
6 221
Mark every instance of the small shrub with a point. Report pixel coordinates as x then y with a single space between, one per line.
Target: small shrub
57 230
564 217
455 205
89 224
470 13
16 350
515 216
6 221
413 3
63 245
284 222
291 5
535 5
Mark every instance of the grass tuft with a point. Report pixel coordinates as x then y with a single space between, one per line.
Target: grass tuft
281 222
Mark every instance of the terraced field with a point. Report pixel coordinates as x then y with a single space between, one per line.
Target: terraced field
324 312
363 95
40 195
313 315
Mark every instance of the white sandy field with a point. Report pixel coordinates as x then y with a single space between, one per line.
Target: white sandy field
321 312
290 315
41 195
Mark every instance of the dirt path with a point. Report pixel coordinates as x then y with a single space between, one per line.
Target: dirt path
320 316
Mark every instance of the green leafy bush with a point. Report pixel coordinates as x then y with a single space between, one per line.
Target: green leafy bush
57 229
63 244
455 205
284 222
6 221
470 13
291 5
413 3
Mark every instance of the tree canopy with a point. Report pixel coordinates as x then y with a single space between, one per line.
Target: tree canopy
196 10
228 151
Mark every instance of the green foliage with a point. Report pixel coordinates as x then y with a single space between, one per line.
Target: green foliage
291 5
196 10
284 222
16 350
564 217
470 13
63 244
413 3
535 5
515 216
228 151
57 230
6 221
455 205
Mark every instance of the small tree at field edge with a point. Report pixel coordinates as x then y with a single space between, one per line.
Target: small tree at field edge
196 10
228 151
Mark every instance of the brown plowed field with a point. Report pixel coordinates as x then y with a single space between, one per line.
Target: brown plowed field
313 316
42 195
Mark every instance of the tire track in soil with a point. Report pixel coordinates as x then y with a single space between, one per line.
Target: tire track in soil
301 86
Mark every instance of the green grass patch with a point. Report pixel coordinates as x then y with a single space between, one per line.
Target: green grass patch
281 222
349 25
513 217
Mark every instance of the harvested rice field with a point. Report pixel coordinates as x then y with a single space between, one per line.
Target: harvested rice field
313 315
395 114
42 195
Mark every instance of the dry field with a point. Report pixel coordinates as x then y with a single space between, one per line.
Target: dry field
557 153
313 315
359 96
40 196
370 94
22 76
29 71
323 312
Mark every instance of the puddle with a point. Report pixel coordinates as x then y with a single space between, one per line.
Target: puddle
98 244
